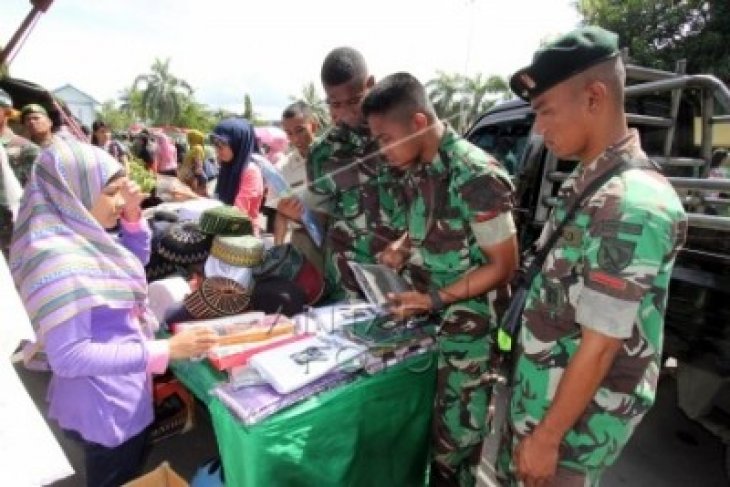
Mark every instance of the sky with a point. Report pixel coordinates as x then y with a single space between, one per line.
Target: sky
270 49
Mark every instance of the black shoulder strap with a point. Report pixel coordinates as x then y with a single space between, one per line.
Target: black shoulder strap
541 254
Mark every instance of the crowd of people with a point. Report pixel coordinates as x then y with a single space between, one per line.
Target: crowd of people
391 184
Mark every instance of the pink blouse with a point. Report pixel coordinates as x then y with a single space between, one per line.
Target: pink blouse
251 194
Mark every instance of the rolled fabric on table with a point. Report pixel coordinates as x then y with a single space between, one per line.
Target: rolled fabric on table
215 268
166 294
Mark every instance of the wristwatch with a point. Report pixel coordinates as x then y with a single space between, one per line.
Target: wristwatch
437 304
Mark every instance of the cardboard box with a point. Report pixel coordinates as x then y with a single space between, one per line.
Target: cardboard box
162 476
174 408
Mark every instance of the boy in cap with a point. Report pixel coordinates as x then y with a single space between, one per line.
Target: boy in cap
21 152
590 346
38 124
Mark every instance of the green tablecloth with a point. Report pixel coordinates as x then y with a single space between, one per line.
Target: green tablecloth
371 432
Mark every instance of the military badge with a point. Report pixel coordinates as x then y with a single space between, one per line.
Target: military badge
572 236
615 254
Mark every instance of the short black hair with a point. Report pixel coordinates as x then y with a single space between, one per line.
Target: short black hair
400 92
98 124
718 157
298 108
343 65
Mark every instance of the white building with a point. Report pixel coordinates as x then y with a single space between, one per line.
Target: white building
81 105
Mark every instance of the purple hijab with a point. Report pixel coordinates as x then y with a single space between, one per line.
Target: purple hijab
62 260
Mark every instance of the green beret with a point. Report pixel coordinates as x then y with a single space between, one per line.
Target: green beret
33 108
562 58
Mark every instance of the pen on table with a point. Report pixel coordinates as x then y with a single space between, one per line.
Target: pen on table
276 319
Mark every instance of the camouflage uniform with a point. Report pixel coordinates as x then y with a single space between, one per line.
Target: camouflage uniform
21 155
357 190
608 272
452 202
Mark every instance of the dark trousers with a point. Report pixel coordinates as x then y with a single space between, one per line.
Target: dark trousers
270 214
112 467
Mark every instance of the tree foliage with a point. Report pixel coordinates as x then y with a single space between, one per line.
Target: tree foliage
660 32
163 94
117 118
461 99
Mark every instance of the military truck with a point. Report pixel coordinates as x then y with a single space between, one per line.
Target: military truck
682 120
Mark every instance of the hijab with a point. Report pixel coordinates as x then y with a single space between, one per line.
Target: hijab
239 135
275 140
166 155
195 137
62 260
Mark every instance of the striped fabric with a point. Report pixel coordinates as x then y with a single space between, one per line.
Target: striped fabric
62 260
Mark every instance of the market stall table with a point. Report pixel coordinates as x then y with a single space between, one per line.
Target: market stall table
374 431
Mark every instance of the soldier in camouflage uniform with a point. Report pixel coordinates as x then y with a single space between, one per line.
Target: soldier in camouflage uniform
347 180
460 245
590 346
21 155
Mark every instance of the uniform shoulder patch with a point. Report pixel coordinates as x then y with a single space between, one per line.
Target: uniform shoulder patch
615 255
607 280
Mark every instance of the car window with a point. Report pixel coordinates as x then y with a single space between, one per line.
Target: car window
505 141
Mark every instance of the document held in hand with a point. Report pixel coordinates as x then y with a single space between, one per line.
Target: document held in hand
275 179
377 281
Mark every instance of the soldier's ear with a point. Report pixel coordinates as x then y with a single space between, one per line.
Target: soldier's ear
597 95
420 121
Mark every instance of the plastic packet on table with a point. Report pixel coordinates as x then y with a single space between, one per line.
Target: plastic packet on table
244 376
328 319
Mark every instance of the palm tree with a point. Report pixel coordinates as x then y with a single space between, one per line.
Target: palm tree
163 93
130 102
310 95
476 90
444 92
248 112
460 99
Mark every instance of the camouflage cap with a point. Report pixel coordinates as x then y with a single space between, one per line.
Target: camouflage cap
33 108
562 58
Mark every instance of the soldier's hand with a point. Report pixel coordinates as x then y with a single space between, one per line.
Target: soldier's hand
394 257
291 208
536 458
411 303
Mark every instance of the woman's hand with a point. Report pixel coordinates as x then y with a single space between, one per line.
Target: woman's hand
191 343
183 192
133 197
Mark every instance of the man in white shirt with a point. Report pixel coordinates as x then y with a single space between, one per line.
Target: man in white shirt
301 126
